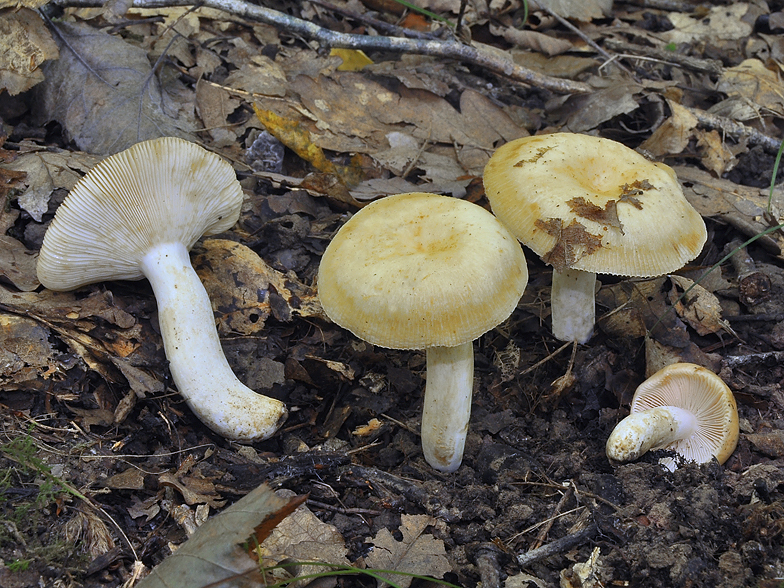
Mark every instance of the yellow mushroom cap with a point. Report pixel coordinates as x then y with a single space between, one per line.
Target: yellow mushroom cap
706 396
413 271
593 204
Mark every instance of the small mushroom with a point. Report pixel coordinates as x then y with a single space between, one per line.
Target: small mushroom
420 271
136 215
682 407
588 205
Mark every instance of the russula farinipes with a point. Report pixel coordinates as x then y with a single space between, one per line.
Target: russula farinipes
136 215
420 271
683 407
588 205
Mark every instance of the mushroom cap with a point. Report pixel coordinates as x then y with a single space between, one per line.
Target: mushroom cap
593 204
706 396
413 271
159 191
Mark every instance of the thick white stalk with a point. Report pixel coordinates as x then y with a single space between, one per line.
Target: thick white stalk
447 408
196 360
572 305
654 428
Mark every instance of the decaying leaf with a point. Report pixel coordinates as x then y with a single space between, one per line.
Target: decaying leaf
25 43
756 84
214 554
245 291
573 242
302 537
353 59
700 308
17 264
607 216
105 94
418 552
45 172
721 22
673 135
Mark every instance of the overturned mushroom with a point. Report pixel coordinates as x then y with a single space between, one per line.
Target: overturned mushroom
136 215
682 407
419 271
588 205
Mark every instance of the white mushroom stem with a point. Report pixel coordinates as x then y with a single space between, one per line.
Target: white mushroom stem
572 305
196 360
447 409
653 428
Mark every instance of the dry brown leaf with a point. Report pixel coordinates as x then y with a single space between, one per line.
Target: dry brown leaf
715 155
25 43
577 9
417 553
46 172
214 554
720 23
303 537
215 105
17 264
673 135
700 308
755 83
245 291
123 106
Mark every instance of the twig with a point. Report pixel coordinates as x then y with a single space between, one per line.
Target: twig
733 361
374 22
584 37
712 66
734 129
497 63
557 546
542 535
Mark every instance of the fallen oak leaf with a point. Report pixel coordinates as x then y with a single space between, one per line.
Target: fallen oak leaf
572 242
418 553
216 554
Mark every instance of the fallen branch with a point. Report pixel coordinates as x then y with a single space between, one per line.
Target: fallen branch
735 129
497 63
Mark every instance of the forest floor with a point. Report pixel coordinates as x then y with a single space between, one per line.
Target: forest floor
105 472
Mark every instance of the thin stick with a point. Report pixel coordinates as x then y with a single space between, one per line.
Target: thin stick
557 546
497 63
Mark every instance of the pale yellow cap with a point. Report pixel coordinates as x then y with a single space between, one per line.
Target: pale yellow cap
706 396
413 271
159 191
593 204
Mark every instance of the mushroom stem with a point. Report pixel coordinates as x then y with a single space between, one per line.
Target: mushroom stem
447 407
196 360
572 304
649 429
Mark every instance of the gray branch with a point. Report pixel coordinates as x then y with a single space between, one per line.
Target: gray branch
492 62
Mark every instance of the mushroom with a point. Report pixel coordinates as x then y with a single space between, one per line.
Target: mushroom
588 205
420 271
136 215
682 407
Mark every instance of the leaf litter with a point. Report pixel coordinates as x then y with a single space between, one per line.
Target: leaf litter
696 87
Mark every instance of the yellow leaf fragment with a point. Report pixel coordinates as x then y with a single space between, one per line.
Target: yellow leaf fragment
353 59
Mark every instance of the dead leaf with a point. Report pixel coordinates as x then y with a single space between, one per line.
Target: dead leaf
353 59
25 43
17 264
715 155
45 172
214 554
108 97
577 9
673 135
215 105
700 308
302 537
756 84
417 553
245 291
297 138
721 22
607 216
572 242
